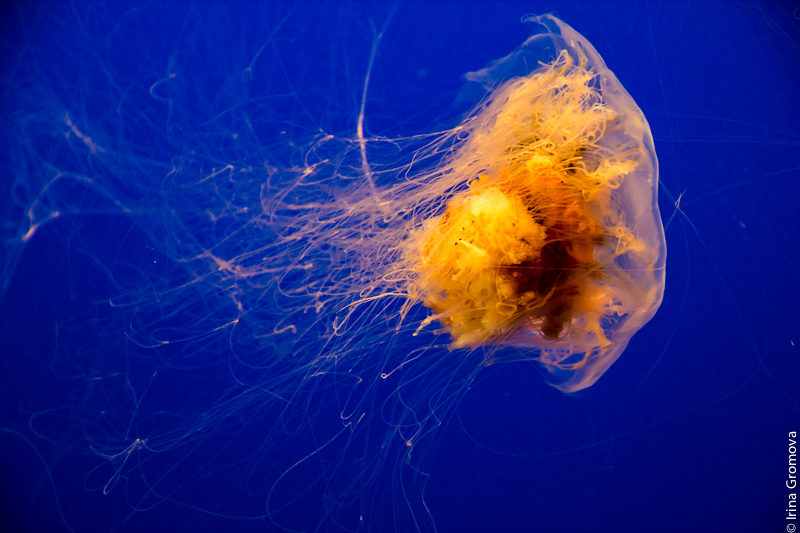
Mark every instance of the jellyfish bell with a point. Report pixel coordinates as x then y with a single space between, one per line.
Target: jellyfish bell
557 243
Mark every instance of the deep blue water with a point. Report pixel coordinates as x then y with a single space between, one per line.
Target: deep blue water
688 431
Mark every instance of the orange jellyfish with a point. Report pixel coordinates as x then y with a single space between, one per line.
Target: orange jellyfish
287 262
557 243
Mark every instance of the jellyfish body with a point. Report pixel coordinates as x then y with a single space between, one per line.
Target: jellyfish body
557 244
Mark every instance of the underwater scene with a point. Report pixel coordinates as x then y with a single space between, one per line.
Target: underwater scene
400 266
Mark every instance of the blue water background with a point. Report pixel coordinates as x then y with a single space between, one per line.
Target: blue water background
688 431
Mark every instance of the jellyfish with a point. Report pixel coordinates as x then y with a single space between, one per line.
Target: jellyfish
288 293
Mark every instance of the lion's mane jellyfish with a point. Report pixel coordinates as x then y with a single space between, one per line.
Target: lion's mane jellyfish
291 297
556 244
